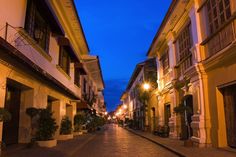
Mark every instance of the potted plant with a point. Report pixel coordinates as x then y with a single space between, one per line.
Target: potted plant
66 129
185 110
79 121
46 129
5 116
32 113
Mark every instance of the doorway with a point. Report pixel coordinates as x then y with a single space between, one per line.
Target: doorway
167 114
186 119
12 104
229 94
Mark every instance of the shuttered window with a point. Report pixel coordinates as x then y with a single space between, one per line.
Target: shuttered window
64 60
36 26
77 77
165 62
185 44
218 12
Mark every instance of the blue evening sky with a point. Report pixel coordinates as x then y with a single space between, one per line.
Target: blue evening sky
120 32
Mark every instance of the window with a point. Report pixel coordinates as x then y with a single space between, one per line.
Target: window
185 44
84 86
36 26
218 12
77 77
89 92
165 62
64 60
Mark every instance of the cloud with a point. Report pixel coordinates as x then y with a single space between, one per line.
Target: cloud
113 91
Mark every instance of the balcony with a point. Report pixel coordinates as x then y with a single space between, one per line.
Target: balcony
220 39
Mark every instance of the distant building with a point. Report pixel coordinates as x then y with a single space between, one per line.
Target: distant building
143 72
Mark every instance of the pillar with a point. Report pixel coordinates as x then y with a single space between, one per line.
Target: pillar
2 100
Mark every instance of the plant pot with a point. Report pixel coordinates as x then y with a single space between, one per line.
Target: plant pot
48 143
188 143
84 131
65 137
77 133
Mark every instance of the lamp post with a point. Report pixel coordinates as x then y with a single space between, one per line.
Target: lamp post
146 87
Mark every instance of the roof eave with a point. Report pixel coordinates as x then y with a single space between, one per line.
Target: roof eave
170 10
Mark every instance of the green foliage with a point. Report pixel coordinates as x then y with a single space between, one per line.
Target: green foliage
79 120
5 115
46 125
143 95
95 122
66 126
32 112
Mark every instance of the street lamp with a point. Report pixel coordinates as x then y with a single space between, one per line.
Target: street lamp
146 86
125 106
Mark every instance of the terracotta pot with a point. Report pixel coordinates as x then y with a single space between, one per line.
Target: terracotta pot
48 144
65 137
77 133
85 131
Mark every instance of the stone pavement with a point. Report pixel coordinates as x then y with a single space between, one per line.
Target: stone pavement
111 141
178 146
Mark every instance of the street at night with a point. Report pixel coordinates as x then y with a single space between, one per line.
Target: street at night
112 141
117 78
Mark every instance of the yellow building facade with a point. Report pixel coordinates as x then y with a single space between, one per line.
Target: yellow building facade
195 46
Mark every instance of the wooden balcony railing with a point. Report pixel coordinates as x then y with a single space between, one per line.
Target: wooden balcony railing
220 39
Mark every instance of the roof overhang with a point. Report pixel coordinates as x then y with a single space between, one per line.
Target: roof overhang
170 20
124 96
69 18
137 70
93 67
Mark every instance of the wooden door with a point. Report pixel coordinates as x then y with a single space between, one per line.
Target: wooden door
186 131
167 114
230 114
12 104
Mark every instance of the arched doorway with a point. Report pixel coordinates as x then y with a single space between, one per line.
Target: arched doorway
186 117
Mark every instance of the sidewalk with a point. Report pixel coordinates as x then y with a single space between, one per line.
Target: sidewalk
177 146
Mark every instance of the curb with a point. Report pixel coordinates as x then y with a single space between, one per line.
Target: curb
159 144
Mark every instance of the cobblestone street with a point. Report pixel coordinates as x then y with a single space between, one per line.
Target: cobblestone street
112 141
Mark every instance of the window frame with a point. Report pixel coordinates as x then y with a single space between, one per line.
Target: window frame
36 26
217 14
77 77
165 61
63 53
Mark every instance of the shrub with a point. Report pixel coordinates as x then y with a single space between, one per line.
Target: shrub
5 115
46 125
66 126
79 120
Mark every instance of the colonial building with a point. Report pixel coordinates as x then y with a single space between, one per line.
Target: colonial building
195 46
143 73
43 56
93 85
128 108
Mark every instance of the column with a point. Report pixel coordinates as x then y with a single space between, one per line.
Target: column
2 100
58 109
